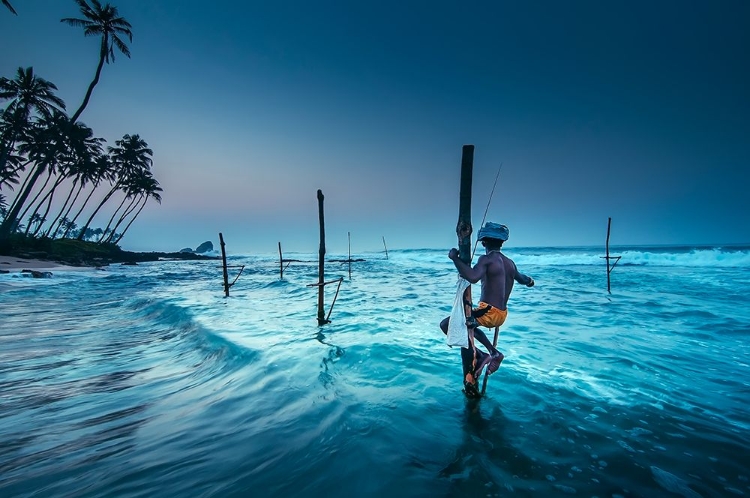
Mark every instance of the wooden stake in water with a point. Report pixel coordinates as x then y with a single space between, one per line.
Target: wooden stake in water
321 261
224 265
349 235
608 257
385 247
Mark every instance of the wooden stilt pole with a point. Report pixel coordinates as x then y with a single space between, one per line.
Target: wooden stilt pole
486 372
609 227
224 265
386 248
463 231
321 261
349 235
281 263
608 257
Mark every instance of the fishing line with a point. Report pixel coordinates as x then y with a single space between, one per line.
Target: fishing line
487 208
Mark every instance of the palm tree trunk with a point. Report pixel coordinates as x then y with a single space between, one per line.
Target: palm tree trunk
83 206
125 214
46 211
12 218
22 187
132 220
62 216
44 198
90 90
36 197
91 218
51 194
112 219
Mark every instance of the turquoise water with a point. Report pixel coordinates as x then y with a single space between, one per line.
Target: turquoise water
146 381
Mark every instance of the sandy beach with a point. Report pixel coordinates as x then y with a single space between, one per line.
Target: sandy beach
10 265
15 264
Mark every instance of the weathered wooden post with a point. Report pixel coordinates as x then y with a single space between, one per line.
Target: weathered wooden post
349 235
608 257
321 261
463 231
386 248
281 263
224 265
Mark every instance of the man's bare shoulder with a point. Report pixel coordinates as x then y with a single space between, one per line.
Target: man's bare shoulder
508 262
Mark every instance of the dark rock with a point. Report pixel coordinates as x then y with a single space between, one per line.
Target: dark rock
130 263
38 274
205 247
4 271
187 249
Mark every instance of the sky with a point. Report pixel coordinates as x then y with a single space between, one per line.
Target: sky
638 111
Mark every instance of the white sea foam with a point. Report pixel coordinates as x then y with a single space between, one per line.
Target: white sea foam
714 257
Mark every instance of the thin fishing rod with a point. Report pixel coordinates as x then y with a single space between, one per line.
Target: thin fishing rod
487 208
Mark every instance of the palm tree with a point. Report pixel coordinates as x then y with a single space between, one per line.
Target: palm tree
101 169
10 7
105 22
69 225
81 148
129 156
151 190
13 164
42 148
136 189
34 219
27 93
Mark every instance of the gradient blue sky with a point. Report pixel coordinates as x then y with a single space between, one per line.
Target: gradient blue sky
635 110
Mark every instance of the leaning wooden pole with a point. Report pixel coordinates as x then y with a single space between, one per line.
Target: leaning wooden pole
463 231
321 261
281 263
224 265
609 227
385 247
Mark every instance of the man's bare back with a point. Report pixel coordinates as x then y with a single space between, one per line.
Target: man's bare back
497 273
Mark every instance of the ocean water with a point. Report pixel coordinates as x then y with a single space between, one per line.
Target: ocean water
146 381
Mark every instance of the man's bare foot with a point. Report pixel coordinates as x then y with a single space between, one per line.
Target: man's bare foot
495 362
483 359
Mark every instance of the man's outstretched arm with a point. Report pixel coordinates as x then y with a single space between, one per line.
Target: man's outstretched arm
523 279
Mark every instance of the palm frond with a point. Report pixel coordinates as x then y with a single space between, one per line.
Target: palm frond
10 7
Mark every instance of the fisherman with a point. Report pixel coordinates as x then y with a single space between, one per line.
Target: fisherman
497 273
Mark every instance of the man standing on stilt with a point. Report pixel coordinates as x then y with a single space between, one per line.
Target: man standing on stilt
497 273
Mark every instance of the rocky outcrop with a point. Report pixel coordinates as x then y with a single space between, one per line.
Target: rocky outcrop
38 274
205 247
187 249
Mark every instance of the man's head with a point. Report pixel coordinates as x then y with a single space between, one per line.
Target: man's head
492 235
492 244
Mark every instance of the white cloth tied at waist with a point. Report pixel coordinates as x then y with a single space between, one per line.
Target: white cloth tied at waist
457 333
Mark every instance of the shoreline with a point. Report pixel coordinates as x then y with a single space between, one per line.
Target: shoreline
16 264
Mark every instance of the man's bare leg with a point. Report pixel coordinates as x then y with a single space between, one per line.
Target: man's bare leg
496 356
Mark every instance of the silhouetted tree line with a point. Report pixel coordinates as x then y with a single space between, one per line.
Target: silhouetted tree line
46 155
